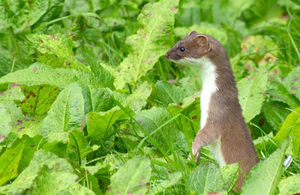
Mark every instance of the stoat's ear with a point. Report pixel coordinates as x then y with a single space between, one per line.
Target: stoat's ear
193 32
202 42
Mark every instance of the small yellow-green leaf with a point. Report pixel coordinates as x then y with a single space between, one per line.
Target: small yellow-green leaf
290 185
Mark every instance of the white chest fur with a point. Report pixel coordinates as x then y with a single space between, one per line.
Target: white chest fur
209 87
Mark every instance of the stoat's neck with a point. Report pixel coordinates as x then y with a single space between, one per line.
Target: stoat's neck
209 87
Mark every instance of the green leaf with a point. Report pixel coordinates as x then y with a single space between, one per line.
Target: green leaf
5 122
290 185
39 74
99 123
38 99
66 114
27 126
151 41
13 93
229 173
292 82
275 113
9 162
56 51
173 179
204 28
52 182
290 128
279 93
205 178
251 94
166 93
132 177
265 176
27 178
78 145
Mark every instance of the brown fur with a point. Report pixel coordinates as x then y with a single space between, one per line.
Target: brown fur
225 119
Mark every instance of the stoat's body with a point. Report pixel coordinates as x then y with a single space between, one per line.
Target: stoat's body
222 124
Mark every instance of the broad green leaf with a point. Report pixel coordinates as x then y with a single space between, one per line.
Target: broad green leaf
39 74
152 40
56 51
230 173
77 138
290 128
265 176
77 189
173 179
27 178
9 162
5 122
290 185
13 93
205 178
137 100
99 123
204 28
27 126
292 82
166 93
132 177
66 114
166 132
279 93
38 99
251 93
52 182
275 113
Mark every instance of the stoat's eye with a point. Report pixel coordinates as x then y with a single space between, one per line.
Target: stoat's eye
182 49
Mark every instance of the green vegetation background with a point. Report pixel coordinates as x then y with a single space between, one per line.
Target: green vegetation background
89 104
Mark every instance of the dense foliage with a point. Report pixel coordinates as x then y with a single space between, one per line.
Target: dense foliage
89 104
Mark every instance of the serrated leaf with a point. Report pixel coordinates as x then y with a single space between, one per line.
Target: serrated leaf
292 82
56 51
66 114
290 128
290 185
9 162
204 28
39 74
251 94
26 179
265 176
151 41
205 178
132 177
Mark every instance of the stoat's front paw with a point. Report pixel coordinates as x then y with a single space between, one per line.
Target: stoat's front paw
196 151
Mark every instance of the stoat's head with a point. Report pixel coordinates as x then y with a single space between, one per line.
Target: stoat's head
190 49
